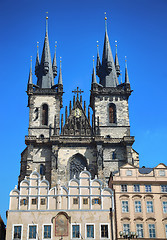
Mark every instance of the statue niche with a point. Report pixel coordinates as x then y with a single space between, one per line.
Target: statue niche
77 164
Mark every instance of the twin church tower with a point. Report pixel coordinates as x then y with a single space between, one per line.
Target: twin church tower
60 147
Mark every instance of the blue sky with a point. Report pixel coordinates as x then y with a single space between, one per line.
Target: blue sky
139 27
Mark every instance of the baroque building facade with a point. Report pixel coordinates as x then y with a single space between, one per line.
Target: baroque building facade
63 183
140 201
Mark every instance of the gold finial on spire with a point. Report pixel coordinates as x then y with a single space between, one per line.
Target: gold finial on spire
31 59
126 61
116 45
105 16
60 61
105 21
97 47
55 44
93 62
46 15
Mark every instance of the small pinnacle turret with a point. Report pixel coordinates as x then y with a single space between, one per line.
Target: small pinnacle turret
98 63
117 67
107 71
126 72
54 65
60 80
30 73
93 74
37 64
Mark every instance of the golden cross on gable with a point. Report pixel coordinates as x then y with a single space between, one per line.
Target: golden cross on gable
77 92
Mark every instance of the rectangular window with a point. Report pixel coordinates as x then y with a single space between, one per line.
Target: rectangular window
139 230
75 200
90 231
163 188
149 205
161 173
126 228
42 201
17 232
124 188
75 231
23 201
151 228
148 188
164 205
47 231
137 206
125 207
166 230
104 231
96 201
32 232
85 200
136 188
129 173
34 201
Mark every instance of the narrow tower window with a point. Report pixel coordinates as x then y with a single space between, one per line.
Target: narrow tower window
42 169
45 114
112 113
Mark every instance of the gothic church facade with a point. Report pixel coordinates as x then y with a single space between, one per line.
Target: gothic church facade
60 150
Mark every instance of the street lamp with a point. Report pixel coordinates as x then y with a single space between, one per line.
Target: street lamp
128 235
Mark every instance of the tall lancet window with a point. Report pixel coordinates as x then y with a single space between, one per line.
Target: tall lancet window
45 114
112 113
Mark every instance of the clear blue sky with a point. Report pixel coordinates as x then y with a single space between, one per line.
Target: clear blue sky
139 27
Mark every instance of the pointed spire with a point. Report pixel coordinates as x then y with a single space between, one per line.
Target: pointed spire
126 72
54 65
116 61
37 64
98 63
45 76
30 74
60 80
108 75
93 74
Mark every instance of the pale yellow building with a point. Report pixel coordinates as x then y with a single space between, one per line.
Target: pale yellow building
84 209
141 201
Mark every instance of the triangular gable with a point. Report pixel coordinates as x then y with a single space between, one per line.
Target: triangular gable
161 165
77 122
127 166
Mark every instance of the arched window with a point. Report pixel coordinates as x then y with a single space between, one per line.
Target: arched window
42 169
45 114
76 165
112 113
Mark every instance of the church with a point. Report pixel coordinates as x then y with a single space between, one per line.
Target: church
66 185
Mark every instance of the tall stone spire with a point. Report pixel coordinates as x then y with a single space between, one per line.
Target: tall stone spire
126 72
107 71
60 80
45 75
54 65
117 67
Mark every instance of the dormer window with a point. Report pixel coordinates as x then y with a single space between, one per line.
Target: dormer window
112 113
45 114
